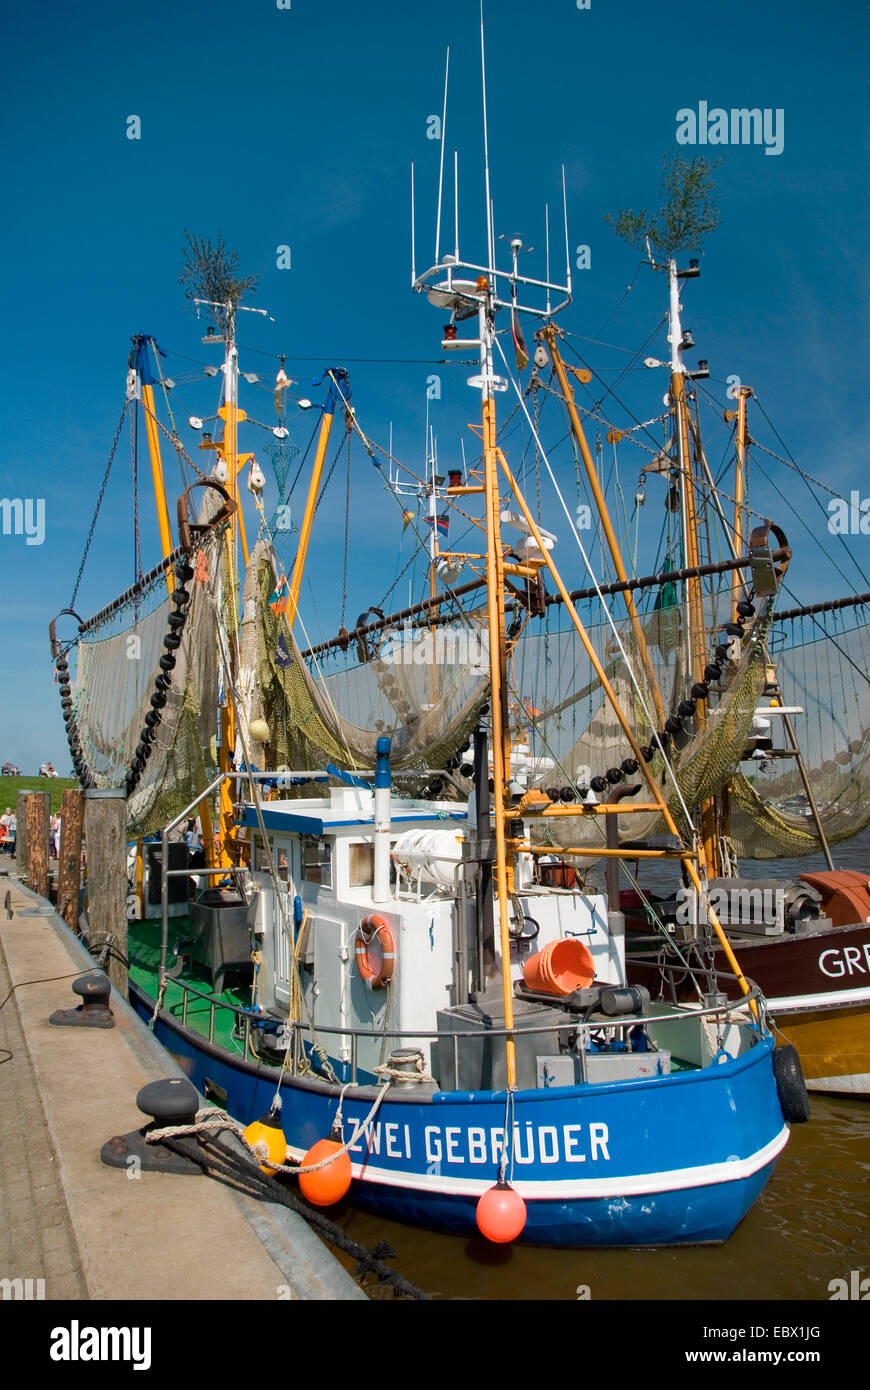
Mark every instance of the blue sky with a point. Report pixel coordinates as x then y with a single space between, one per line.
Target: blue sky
297 127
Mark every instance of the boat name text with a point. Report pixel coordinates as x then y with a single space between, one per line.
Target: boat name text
845 961
476 1145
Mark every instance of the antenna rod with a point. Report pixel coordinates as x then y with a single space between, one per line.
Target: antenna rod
489 241
413 255
547 240
456 203
567 252
441 165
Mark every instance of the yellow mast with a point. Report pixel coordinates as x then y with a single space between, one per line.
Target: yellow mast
143 387
146 392
743 394
549 335
311 501
695 614
495 596
230 462
688 857
229 414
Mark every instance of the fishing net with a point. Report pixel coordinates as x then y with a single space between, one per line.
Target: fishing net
422 690
822 669
703 764
117 664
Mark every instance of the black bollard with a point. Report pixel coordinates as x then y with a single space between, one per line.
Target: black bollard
169 1102
94 1011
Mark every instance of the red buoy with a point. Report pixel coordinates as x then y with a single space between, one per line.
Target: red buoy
327 1185
501 1214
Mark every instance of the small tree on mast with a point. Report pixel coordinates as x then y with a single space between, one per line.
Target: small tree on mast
212 273
688 211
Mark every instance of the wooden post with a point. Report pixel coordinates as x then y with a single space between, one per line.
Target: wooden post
69 873
106 839
21 832
36 831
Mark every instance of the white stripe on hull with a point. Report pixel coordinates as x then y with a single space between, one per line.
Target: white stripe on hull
826 999
675 1180
858 1084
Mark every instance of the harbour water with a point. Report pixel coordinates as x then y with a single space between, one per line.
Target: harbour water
810 1226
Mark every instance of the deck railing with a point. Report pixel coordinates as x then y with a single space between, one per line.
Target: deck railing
251 1019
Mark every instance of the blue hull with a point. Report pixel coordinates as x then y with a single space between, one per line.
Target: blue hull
673 1160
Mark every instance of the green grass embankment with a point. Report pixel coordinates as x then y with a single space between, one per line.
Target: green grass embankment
11 786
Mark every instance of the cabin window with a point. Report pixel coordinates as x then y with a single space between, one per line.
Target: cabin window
263 854
362 866
317 862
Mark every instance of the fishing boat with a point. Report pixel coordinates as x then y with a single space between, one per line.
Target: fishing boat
377 953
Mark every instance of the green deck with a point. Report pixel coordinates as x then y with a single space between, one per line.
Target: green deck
144 952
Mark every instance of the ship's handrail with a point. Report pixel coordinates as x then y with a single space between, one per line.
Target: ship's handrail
573 1024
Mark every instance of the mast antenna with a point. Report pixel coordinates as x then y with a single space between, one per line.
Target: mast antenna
547 249
567 251
413 254
441 163
456 204
490 248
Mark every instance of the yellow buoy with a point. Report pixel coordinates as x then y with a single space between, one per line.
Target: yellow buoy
269 1132
260 730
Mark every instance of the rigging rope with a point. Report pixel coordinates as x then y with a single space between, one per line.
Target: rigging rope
99 504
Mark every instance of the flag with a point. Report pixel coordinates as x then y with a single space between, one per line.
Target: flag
282 653
278 599
407 518
442 522
519 342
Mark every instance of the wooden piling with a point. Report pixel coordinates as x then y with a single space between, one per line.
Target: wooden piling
36 841
106 840
21 832
72 811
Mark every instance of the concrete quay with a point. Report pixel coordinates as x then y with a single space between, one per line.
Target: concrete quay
89 1231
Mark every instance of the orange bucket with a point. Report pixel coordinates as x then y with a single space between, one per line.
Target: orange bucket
560 968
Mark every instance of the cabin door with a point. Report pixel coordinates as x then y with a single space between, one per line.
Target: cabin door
288 863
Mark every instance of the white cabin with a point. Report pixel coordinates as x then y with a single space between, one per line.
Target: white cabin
324 852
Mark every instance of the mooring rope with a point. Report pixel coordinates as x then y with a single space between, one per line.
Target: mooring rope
219 1162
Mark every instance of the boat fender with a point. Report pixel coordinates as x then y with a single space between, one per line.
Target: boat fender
375 975
790 1085
501 1213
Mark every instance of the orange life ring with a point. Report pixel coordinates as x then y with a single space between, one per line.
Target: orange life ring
369 928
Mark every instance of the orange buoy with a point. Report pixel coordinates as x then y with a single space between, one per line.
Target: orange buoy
378 973
329 1184
501 1214
561 967
268 1130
